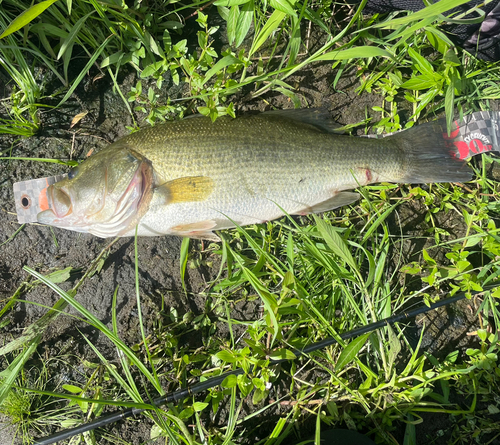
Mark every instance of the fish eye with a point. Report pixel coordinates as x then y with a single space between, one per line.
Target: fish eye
73 172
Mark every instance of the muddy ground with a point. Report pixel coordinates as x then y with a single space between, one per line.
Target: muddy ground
45 249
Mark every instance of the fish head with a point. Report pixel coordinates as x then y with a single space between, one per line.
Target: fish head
106 195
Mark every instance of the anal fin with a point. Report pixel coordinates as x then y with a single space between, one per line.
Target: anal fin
338 200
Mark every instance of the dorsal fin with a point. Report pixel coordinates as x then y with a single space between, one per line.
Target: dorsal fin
317 117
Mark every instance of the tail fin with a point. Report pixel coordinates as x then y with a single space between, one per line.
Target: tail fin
431 157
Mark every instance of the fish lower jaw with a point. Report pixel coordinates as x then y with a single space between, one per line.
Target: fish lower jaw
49 218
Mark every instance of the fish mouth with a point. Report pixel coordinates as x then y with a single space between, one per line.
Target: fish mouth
61 202
126 212
59 206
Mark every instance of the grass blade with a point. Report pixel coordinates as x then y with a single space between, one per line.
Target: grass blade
98 325
183 260
9 375
358 52
244 23
26 17
336 243
270 26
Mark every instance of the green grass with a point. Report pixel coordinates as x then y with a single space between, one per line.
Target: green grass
313 278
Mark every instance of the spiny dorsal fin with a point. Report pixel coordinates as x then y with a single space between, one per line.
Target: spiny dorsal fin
317 117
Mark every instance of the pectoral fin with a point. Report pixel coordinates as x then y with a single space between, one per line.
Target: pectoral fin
187 189
338 200
198 230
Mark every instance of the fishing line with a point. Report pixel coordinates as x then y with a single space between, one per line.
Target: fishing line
181 394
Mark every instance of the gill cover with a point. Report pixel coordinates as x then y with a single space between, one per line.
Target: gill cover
106 195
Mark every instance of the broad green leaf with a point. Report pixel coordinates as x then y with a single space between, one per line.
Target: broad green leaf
155 432
245 385
232 23
153 46
223 12
259 395
410 437
226 356
72 388
244 23
425 99
59 276
114 58
437 39
427 258
423 65
283 6
295 40
335 242
473 240
267 298
148 71
396 78
229 382
220 65
259 383
283 354
394 346
186 413
350 351
419 83
26 17
199 406
357 52
451 58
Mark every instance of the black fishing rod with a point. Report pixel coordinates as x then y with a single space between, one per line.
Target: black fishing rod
214 381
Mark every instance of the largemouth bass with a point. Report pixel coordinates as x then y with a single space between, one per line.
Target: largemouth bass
192 177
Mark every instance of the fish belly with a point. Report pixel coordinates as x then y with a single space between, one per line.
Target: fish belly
246 209
245 199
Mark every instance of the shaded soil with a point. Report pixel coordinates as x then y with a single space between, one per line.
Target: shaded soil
45 249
